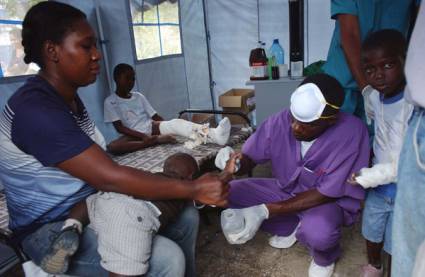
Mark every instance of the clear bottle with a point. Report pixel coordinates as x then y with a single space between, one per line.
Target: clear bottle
231 222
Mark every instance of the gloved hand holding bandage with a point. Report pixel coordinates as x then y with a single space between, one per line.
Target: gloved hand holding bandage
366 92
379 174
252 219
223 156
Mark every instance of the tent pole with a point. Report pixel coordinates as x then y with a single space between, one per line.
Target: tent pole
207 38
102 43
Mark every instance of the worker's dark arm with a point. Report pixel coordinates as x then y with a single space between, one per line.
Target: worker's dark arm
351 45
300 202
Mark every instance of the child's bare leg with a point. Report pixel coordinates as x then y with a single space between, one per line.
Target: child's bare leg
374 253
78 214
185 128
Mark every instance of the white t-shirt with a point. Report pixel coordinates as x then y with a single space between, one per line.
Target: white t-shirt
390 116
305 145
135 112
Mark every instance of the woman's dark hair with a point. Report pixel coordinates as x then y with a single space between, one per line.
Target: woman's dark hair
120 69
331 90
47 21
391 41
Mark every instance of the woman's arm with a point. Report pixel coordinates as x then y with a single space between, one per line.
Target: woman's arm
95 168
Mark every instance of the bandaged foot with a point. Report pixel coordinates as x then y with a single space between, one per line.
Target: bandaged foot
221 134
197 133
198 136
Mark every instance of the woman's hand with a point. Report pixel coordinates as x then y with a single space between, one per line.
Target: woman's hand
212 189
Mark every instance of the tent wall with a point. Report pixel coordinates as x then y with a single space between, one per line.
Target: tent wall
180 82
234 32
177 83
195 54
168 83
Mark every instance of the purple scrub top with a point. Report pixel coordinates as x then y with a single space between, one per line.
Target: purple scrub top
341 150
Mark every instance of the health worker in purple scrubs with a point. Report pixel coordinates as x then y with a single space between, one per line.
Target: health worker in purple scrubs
313 149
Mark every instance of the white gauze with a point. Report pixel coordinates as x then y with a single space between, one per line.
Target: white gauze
379 174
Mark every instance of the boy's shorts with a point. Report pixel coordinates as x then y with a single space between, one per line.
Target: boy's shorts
378 219
125 227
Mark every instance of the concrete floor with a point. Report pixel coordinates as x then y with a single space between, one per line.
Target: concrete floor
217 258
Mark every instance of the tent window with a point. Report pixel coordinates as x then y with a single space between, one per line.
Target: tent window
156 28
11 51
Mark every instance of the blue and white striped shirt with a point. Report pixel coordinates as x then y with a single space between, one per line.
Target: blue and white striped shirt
38 130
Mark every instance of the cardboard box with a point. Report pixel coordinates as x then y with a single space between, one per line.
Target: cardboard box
237 98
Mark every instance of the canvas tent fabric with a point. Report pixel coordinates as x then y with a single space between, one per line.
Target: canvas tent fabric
179 82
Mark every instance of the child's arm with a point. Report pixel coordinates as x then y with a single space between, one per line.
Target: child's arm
235 163
157 117
129 132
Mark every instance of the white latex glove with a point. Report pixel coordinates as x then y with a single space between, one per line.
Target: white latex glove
379 174
253 217
223 156
366 92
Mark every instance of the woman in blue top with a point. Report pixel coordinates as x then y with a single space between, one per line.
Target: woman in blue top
51 153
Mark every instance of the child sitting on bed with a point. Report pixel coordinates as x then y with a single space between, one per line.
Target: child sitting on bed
117 217
133 116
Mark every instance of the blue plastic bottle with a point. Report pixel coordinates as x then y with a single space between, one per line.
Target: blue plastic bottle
277 51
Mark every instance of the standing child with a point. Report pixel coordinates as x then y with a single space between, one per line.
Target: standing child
383 54
134 117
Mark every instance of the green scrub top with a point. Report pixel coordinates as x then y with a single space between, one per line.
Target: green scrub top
373 15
